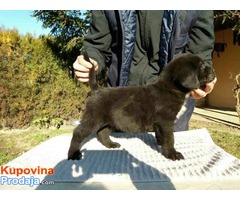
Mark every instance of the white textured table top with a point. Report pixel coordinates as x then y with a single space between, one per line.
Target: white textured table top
137 164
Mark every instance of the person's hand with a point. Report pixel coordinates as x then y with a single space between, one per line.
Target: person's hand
203 91
82 67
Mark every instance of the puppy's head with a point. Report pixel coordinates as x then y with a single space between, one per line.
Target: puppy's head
189 72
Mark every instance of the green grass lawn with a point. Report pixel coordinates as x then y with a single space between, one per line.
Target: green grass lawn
16 142
227 141
224 136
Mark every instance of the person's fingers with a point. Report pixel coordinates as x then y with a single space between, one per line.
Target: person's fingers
197 94
79 74
94 63
84 80
82 67
209 86
79 68
203 90
83 63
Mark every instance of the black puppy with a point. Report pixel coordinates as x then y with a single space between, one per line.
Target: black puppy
141 109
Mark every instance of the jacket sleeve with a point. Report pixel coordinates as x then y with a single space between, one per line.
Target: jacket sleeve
98 39
201 37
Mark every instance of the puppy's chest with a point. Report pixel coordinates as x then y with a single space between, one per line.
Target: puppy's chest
183 107
171 105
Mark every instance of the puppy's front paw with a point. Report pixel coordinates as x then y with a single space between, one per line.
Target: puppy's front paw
75 156
176 156
173 154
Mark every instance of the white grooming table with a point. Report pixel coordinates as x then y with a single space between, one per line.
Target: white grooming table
137 164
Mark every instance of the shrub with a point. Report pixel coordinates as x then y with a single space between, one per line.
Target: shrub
34 82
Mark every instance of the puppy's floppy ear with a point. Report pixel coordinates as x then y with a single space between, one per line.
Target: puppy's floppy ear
190 82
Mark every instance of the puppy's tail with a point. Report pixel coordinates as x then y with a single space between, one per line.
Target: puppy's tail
92 74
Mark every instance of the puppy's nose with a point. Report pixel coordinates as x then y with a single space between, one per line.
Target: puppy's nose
209 69
211 73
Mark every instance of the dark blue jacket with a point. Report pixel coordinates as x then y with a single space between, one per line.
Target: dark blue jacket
111 39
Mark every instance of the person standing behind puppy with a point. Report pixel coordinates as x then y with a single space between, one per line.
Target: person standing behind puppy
134 47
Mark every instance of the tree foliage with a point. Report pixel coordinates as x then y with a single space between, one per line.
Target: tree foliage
68 28
228 18
33 83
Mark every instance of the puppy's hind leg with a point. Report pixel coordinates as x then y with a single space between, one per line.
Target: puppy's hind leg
103 137
79 135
